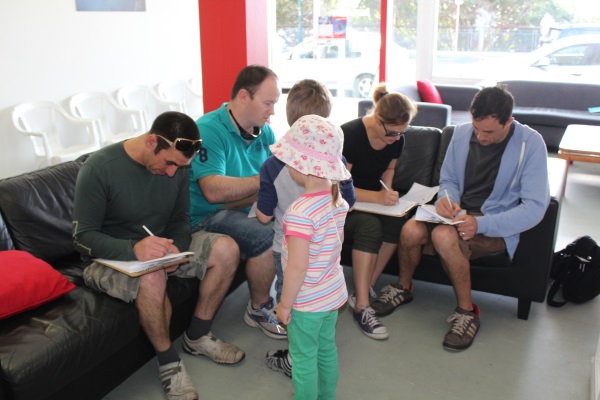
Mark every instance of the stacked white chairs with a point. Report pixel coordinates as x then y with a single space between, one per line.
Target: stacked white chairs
57 136
18 156
142 98
114 123
180 91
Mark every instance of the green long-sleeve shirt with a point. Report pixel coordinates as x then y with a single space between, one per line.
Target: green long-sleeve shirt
115 196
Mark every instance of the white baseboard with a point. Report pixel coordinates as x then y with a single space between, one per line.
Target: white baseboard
595 378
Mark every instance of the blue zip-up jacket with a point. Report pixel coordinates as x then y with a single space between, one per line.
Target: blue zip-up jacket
521 192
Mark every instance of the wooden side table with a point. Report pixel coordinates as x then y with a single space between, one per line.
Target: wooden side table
580 143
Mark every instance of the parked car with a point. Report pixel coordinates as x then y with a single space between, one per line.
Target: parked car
574 58
346 65
561 31
574 55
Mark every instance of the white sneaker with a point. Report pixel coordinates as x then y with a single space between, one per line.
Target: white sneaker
265 319
176 382
217 350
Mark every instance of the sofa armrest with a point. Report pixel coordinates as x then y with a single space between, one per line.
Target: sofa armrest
428 114
458 96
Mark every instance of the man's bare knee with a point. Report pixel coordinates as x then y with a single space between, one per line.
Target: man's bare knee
225 252
414 233
444 236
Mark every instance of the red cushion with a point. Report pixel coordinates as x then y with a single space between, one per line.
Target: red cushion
429 92
28 282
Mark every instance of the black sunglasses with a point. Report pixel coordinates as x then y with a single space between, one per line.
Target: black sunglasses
256 131
183 144
392 133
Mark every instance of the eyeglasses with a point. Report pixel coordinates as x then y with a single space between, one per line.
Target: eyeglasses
183 144
392 133
256 131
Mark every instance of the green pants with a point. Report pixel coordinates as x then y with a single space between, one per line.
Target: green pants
314 354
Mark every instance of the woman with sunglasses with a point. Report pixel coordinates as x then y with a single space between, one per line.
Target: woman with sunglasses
372 145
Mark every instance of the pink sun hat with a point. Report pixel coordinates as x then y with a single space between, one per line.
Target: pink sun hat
313 146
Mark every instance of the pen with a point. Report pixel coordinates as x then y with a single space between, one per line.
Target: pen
384 186
152 234
448 198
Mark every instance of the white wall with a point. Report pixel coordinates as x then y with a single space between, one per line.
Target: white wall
49 51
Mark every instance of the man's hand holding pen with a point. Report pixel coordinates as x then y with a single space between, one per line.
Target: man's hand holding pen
449 209
152 247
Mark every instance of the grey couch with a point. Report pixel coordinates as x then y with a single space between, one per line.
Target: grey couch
454 110
549 107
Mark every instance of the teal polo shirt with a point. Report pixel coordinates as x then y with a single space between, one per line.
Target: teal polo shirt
224 152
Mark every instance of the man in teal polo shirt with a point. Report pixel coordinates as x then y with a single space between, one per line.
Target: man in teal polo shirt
235 142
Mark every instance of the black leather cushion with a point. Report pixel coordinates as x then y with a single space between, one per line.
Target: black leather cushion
37 208
46 348
418 158
5 240
447 133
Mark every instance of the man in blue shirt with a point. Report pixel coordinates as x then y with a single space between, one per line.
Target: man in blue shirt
236 139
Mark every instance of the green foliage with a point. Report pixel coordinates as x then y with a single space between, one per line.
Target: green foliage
500 25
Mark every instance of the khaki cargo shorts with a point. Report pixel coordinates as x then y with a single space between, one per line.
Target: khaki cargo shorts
121 286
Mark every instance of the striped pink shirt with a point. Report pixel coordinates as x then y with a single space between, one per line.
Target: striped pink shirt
314 217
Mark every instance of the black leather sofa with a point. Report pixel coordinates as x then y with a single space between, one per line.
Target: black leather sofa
527 277
83 344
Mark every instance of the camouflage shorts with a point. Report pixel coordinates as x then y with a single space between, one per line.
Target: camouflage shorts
123 287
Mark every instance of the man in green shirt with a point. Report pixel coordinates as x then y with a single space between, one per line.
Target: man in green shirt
128 185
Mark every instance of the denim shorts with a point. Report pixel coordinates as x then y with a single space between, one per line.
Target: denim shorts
252 236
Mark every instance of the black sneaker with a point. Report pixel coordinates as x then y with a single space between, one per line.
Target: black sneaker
465 325
392 297
280 361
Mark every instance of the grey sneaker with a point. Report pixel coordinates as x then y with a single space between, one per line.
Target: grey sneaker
213 348
280 361
465 325
392 297
176 382
265 319
368 323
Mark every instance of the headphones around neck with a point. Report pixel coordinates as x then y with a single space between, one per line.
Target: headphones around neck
256 131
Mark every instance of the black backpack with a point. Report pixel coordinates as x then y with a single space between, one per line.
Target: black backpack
575 269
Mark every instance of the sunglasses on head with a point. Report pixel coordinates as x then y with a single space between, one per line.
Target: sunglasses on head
182 144
256 131
392 133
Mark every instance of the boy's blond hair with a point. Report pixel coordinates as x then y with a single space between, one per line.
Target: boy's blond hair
307 97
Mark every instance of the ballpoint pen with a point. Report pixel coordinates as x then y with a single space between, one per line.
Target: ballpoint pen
384 186
152 234
448 198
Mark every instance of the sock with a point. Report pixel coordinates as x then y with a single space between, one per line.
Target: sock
198 328
168 356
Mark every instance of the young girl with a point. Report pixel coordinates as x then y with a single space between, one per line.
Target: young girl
313 283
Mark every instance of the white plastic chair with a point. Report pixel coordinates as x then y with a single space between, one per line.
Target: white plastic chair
143 98
18 156
56 135
114 123
182 92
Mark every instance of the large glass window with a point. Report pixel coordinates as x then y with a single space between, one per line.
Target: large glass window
505 39
334 42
